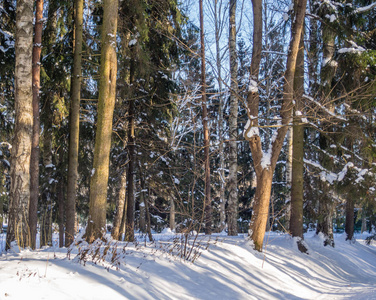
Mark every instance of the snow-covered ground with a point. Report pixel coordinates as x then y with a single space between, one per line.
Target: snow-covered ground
227 269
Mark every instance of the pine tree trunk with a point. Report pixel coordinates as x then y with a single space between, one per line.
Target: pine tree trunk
74 124
120 202
106 103
296 220
34 159
2 192
19 197
325 216
129 228
207 199
148 228
142 203
349 226
46 196
60 200
233 127
325 220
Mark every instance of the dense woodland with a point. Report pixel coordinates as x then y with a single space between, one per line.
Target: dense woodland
138 115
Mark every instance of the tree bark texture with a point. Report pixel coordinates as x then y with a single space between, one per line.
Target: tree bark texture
106 103
129 227
296 220
74 124
172 214
207 198
264 171
232 208
21 146
34 159
260 214
289 138
325 218
60 197
120 201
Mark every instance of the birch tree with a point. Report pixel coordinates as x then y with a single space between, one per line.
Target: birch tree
232 215
19 200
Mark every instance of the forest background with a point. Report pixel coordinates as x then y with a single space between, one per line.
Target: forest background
254 116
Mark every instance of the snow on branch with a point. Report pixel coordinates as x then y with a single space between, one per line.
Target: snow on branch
365 8
331 177
354 49
339 117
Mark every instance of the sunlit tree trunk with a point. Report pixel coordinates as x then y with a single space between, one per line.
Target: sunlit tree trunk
19 197
106 103
296 219
265 162
34 159
74 124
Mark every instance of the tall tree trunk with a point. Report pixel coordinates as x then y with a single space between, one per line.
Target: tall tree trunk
120 201
124 219
172 213
47 194
74 124
265 163
349 227
222 201
325 219
328 69
232 207
34 159
2 192
296 220
364 221
207 199
289 138
60 199
142 217
106 103
260 214
129 228
147 212
21 146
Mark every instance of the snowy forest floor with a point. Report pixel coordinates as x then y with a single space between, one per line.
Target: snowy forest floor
228 269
